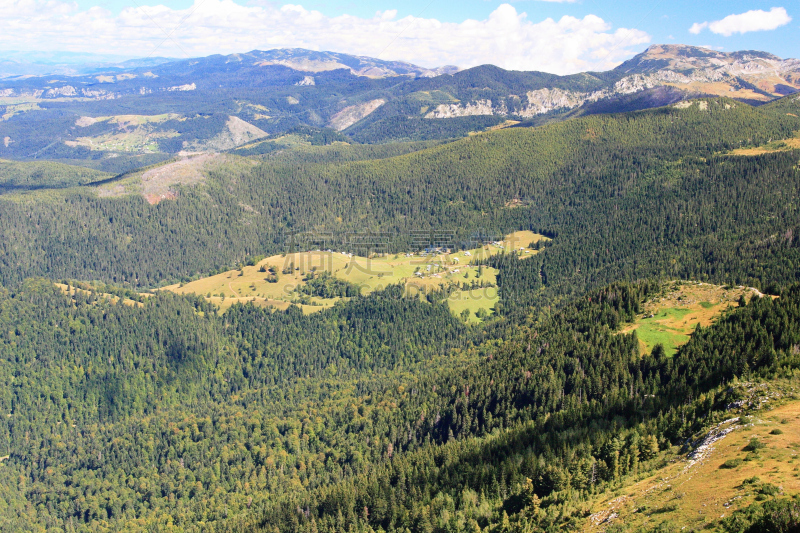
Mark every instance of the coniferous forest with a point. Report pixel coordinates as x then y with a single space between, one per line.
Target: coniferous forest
127 408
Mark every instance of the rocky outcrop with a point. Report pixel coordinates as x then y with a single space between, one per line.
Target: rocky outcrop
186 87
67 90
677 71
480 107
352 114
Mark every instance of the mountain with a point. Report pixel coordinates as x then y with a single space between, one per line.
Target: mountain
19 64
114 117
660 75
744 75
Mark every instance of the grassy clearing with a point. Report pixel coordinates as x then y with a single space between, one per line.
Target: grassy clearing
16 109
782 145
697 495
72 291
273 281
127 133
670 318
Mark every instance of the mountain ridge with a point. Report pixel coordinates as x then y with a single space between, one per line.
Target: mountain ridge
369 100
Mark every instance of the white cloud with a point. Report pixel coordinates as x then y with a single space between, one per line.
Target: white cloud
506 38
754 20
697 27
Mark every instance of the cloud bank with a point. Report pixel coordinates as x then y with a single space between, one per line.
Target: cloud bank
755 20
506 38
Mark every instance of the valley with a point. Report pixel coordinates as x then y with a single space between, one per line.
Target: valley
290 291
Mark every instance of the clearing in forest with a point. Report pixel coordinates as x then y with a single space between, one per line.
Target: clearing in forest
671 317
783 145
278 281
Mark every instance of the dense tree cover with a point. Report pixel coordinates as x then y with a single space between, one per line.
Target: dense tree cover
97 390
634 195
325 285
170 416
339 153
384 412
397 127
562 409
15 176
775 516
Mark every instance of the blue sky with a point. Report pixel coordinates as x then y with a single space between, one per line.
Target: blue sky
556 36
667 20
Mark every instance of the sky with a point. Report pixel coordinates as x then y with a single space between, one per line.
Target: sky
558 36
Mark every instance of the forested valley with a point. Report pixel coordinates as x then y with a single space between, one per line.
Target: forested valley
128 408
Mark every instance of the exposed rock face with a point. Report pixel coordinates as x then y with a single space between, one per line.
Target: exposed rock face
352 114
186 87
306 81
67 90
546 100
770 74
480 107
753 76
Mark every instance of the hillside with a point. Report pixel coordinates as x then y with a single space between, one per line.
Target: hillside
651 163
492 433
587 325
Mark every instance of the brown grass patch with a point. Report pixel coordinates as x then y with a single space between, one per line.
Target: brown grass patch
782 145
158 184
695 494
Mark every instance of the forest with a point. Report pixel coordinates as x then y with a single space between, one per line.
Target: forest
128 408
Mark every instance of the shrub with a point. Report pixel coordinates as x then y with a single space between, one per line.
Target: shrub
754 445
768 489
731 463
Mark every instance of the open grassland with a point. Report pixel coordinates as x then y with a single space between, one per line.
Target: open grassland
502 125
16 109
274 281
694 492
161 182
72 291
721 89
670 318
783 145
125 133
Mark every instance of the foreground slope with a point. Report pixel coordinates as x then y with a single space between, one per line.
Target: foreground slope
166 415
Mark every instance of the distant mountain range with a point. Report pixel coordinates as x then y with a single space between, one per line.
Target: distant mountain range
76 115
15 64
